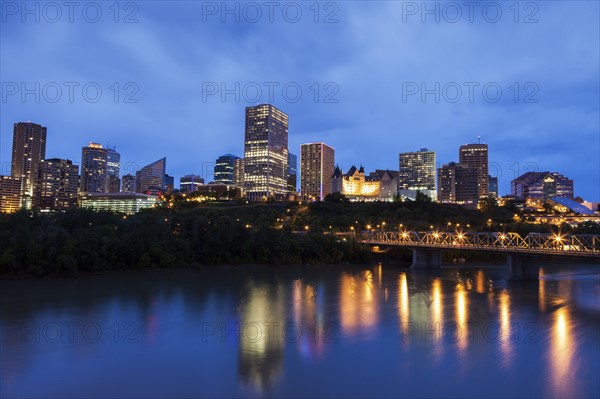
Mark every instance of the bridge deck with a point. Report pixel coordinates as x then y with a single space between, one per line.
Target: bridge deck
510 243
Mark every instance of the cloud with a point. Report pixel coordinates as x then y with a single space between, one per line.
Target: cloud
353 75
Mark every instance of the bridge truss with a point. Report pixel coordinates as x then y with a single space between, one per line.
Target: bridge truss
582 245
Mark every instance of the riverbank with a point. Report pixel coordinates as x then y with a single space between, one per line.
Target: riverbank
79 240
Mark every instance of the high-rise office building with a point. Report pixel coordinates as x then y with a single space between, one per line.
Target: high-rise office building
317 165
493 186
541 185
458 184
417 173
128 185
265 153
10 194
169 183
292 176
113 171
29 148
224 169
476 156
238 173
151 177
94 175
190 183
56 185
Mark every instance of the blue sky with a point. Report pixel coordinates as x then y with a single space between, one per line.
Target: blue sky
369 60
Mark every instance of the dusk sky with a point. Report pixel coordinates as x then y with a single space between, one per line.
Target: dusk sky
369 59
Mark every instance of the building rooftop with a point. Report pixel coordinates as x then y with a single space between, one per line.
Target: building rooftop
572 205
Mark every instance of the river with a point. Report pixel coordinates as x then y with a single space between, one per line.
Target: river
320 331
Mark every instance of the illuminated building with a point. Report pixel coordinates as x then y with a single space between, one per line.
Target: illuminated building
218 191
113 171
458 184
29 148
94 172
238 173
224 169
475 156
316 169
388 183
292 174
151 177
356 186
117 202
128 185
190 183
265 153
56 185
541 185
10 194
568 205
417 173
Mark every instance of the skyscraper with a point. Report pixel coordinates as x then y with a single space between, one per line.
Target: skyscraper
457 183
224 169
113 171
238 173
292 174
94 161
317 165
476 156
56 185
29 148
265 153
128 185
417 173
493 186
151 176
541 186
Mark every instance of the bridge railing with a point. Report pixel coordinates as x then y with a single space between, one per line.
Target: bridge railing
549 243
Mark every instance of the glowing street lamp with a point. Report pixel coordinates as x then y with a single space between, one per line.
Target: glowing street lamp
557 239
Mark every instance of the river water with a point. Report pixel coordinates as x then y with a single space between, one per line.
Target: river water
327 331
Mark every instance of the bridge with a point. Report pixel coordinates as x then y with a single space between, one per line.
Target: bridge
522 252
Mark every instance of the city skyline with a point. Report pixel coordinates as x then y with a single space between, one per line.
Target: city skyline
472 155
175 118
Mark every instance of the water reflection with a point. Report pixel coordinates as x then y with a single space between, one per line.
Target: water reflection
437 319
261 333
542 291
462 318
403 303
358 303
507 333
562 348
280 317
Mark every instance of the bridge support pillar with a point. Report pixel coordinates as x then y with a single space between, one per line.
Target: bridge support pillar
426 258
522 267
